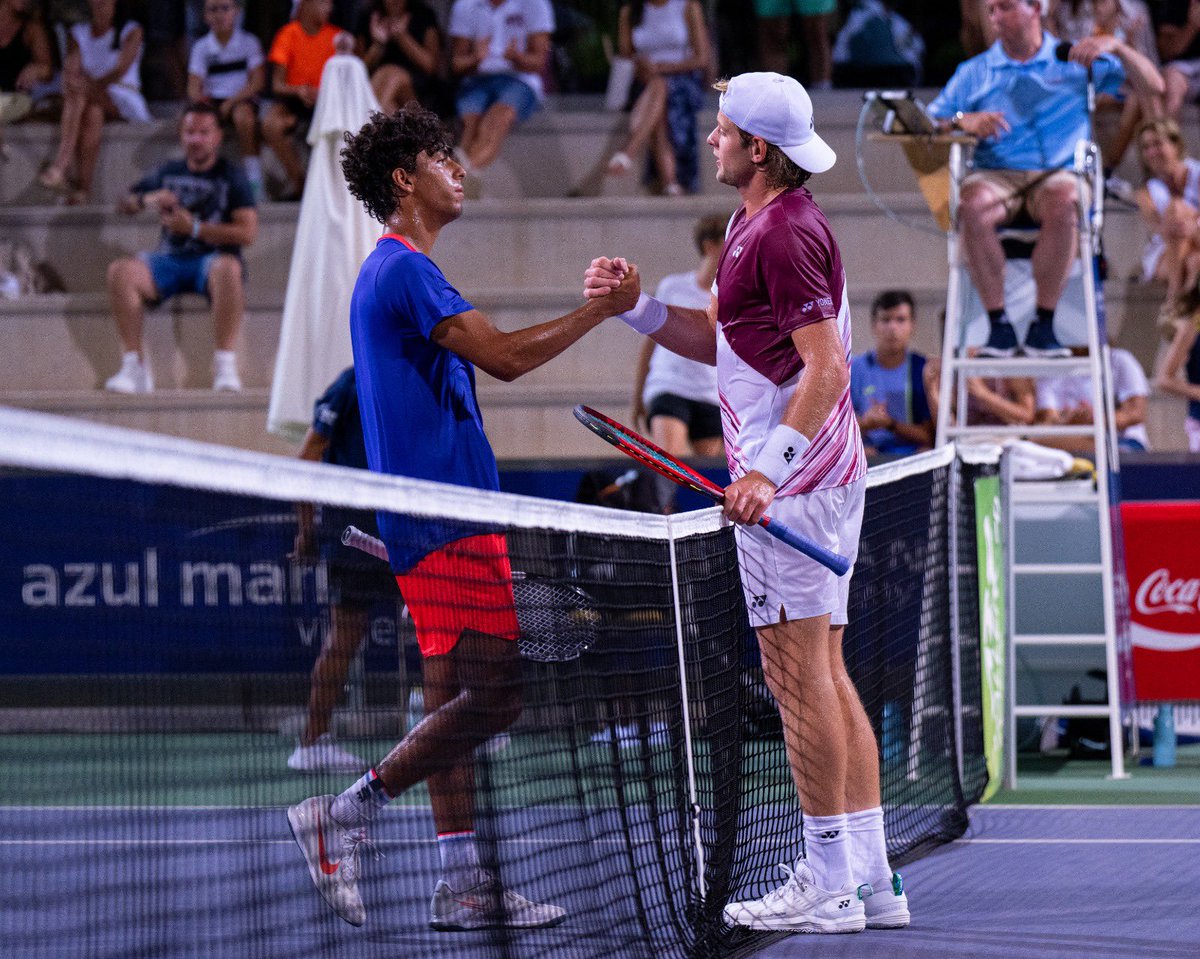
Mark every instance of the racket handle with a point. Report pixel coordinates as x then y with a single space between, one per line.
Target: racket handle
832 561
371 545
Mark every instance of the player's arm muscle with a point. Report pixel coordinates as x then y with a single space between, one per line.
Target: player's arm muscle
824 379
691 333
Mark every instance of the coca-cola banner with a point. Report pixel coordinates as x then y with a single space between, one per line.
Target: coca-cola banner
1162 558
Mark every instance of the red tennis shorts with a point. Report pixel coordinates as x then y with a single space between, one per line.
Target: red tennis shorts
466 584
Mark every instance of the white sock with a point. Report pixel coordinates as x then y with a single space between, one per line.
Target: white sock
224 358
357 805
253 168
868 848
460 859
827 849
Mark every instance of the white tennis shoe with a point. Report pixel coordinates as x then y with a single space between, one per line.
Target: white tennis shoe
331 852
887 908
324 755
488 905
799 905
133 377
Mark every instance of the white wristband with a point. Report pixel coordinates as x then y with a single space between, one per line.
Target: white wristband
647 316
780 453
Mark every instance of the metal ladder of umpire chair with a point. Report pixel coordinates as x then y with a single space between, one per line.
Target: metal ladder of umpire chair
1026 501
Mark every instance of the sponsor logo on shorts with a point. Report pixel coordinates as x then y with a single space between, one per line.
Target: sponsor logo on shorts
830 834
757 601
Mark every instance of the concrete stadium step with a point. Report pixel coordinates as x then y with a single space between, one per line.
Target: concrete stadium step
543 243
561 151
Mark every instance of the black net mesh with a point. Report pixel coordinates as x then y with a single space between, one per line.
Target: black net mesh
163 650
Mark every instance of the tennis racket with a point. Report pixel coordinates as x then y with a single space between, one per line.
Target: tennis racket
645 452
559 622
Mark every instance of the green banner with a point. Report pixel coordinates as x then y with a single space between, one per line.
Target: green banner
989 529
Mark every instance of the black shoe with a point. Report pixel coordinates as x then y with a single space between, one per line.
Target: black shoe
1041 342
1001 342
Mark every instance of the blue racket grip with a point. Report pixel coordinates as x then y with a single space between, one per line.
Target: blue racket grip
832 561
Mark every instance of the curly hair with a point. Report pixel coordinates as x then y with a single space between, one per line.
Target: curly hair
387 143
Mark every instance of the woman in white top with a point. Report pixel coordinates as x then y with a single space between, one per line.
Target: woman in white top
669 45
101 81
1170 206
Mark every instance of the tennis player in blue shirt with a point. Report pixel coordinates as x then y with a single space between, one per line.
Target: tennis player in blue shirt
1025 99
416 343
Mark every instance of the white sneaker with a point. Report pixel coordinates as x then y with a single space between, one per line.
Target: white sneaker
799 905
225 375
325 755
487 905
133 376
332 856
887 908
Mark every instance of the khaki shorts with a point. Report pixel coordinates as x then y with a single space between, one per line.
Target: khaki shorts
1021 190
780 582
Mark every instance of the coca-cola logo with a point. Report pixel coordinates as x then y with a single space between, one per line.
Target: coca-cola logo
1159 593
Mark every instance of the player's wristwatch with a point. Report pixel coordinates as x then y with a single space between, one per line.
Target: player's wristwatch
956 120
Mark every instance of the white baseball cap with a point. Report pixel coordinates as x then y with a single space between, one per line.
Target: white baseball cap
777 109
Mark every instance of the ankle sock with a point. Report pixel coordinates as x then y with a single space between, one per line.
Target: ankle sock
997 316
827 849
868 848
460 859
357 806
1045 315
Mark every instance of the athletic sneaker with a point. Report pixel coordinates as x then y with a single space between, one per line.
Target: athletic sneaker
1040 341
133 376
799 905
331 852
487 905
1001 342
887 908
325 755
225 375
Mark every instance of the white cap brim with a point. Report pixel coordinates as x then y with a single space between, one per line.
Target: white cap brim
814 155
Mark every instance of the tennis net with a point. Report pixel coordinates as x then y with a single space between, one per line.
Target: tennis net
160 626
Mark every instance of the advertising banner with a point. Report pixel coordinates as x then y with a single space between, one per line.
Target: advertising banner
1163 564
989 527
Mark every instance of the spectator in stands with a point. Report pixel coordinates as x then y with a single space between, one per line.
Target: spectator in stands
356 581
206 209
1129 21
668 42
1170 206
226 69
877 48
991 400
500 50
25 60
298 55
1072 21
674 397
101 81
401 44
887 384
1179 47
1180 374
816 25
1029 110
1067 401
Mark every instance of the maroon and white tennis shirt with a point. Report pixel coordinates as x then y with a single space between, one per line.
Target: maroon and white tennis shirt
780 271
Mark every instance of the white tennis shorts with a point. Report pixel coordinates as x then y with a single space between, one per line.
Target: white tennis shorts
781 583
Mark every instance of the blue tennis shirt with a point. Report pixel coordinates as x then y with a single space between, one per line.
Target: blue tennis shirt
1043 99
417 400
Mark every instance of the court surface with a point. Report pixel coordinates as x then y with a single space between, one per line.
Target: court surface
175 882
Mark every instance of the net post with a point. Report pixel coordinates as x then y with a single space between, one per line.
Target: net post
955 629
689 751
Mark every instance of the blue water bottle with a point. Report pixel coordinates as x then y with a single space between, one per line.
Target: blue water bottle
1164 736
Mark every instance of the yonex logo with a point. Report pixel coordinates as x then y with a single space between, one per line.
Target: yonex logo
788 454
807 307
757 601
831 834
364 794
737 251
843 903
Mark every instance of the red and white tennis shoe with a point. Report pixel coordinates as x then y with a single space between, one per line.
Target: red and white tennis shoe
331 852
800 905
488 905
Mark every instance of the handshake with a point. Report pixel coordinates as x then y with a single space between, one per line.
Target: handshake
614 285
